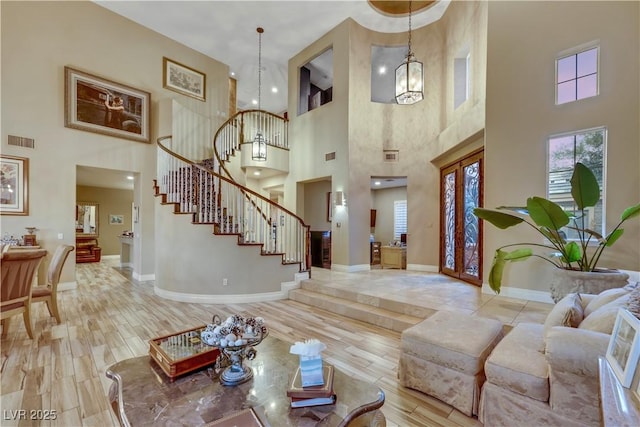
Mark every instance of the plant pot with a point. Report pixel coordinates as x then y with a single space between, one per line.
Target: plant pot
585 282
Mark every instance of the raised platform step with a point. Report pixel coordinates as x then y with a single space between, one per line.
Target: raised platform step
376 311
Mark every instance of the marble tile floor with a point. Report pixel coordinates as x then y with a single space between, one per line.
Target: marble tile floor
111 317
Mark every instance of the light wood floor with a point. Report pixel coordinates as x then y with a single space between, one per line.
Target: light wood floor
109 318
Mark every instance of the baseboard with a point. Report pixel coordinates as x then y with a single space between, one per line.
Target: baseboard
423 267
223 299
67 286
520 293
110 257
350 268
143 277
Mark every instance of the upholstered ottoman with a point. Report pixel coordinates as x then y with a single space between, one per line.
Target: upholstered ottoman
444 356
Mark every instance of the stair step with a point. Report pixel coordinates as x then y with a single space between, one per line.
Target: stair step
400 307
367 313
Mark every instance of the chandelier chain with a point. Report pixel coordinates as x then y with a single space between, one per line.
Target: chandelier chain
259 66
409 53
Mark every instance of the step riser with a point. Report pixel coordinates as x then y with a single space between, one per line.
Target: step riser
348 309
397 306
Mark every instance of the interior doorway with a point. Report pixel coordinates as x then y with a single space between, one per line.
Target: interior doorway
461 186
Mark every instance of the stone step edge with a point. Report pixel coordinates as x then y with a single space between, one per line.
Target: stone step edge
408 309
387 319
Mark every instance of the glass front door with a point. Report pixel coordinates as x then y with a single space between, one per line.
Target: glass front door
461 192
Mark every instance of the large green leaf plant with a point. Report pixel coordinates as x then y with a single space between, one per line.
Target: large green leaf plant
548 218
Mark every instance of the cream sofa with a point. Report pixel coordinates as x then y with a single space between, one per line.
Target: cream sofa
547 375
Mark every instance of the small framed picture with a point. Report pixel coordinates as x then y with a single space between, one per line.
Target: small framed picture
623 351
182 79
116 219
14 194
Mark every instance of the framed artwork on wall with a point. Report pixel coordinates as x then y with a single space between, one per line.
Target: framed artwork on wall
116 219
182 79
95 104
14 197
623 351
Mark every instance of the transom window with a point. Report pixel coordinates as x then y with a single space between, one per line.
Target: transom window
577 76
587 147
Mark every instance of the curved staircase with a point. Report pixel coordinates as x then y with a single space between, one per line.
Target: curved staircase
204 189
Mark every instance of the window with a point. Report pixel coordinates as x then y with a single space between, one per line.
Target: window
577 76
461 74
399 218
587 147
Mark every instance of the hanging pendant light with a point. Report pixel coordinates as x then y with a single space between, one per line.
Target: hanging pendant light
259 145
409 76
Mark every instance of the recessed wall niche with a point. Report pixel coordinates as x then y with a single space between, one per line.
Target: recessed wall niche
316 82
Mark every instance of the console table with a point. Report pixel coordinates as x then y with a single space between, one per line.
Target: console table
618 406
142 394
393 257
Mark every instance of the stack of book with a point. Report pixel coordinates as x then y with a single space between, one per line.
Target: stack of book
313 395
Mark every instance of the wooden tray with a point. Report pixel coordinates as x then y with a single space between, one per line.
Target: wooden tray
182 352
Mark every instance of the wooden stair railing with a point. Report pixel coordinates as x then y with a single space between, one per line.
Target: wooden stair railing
230 207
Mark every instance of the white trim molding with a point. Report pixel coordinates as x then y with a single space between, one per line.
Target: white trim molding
227 299
423 267
67 286
520 293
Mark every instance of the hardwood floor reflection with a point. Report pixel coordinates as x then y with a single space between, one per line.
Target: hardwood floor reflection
109 318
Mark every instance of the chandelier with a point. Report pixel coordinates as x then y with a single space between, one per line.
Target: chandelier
409 76
259 145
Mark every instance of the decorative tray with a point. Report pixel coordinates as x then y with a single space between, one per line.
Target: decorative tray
182 352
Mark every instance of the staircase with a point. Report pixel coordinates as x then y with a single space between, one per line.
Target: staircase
205 189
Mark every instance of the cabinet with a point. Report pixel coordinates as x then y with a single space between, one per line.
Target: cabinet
375 253
393 257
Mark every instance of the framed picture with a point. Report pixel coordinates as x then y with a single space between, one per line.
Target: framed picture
116 219
95 104
14 197
329 207
623 351
182 79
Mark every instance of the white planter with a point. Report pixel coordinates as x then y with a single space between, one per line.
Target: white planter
572 281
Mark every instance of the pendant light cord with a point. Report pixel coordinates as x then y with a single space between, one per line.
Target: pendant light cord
260 31
409 53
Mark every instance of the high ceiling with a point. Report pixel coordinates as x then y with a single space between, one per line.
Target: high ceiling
226 31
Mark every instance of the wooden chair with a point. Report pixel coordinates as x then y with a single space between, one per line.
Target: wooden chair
49 293
18 269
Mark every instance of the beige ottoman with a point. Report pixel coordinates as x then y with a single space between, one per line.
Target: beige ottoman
444 356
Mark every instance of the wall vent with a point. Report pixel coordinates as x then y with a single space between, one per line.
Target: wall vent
330 156
391 155
20 141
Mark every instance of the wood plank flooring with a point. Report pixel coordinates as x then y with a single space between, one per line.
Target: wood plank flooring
109 318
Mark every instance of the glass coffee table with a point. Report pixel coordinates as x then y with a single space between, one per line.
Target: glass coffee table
142 394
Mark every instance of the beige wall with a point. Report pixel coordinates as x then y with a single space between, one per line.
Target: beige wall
315 205
38 40
359 130
383 204
523 41
110 202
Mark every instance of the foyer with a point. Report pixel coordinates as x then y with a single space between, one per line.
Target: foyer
111 317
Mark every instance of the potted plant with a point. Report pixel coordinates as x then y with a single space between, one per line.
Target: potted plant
548 218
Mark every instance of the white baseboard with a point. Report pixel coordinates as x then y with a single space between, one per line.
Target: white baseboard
423 267
67 286
110 257
143 277
223 299
520 293
350 268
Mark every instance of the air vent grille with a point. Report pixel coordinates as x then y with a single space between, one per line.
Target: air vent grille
20 141
330 156
391 155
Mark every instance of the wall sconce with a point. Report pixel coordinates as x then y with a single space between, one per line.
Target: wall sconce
340 198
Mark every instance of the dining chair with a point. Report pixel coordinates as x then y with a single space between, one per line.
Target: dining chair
49 293
18 269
